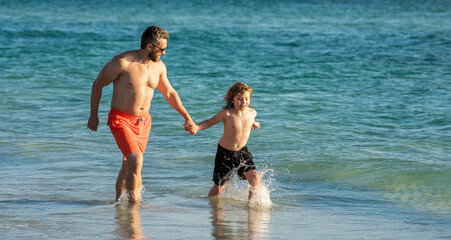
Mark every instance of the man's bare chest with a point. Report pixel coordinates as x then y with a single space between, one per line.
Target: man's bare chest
140 77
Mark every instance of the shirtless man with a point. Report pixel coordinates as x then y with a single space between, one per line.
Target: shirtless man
135 75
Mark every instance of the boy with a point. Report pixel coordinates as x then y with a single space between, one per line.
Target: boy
232 152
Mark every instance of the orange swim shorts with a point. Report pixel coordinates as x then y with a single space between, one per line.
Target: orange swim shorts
131 132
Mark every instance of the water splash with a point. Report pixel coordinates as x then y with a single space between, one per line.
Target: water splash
124 197
237 189
261 198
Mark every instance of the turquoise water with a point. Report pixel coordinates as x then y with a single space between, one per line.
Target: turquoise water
353 99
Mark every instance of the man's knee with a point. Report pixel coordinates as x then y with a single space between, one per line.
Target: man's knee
124 167
134 160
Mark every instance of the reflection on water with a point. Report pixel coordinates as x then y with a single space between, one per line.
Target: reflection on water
128 221
231 220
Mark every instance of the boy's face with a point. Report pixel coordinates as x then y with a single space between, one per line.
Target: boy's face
241 101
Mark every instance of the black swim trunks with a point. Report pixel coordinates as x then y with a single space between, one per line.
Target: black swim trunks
226 161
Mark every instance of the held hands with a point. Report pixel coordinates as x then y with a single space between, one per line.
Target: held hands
191 127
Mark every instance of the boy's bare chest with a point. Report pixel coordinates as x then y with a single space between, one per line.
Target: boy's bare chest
239 122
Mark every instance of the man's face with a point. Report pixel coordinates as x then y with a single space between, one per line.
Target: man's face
158 50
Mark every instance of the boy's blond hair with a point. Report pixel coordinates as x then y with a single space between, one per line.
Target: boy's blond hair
235 89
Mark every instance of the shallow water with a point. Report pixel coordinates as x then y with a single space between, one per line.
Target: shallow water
353 101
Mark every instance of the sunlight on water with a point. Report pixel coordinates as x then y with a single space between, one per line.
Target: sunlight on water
422 198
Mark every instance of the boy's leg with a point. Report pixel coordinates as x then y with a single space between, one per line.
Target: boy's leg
120 182
216 190
254 180
133 179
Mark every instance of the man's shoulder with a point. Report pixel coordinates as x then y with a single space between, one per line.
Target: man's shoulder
128 56
160 64
124 60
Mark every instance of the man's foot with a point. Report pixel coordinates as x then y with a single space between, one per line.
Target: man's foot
133 196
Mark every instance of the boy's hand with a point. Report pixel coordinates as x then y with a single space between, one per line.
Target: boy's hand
193 129
255 125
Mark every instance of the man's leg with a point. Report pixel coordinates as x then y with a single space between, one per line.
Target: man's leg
254 180
120 182
133 179
216 190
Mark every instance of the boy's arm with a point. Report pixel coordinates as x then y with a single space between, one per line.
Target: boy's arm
255 124
210 122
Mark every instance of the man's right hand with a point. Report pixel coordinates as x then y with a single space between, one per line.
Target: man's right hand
93 122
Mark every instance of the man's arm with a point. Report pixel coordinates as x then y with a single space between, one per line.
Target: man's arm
164 86
110 72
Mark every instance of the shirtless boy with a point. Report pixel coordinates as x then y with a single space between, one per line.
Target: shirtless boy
135 75
232 153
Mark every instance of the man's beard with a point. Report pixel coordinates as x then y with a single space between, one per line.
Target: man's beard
154 57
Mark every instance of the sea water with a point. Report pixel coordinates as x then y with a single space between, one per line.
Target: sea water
353 99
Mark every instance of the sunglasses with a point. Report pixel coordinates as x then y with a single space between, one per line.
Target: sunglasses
161 49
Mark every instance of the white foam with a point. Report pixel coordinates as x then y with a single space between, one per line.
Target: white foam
237 189
124 197
260 198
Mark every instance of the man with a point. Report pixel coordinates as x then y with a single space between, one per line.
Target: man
135 75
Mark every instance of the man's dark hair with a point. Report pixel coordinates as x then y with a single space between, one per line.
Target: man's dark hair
153 35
